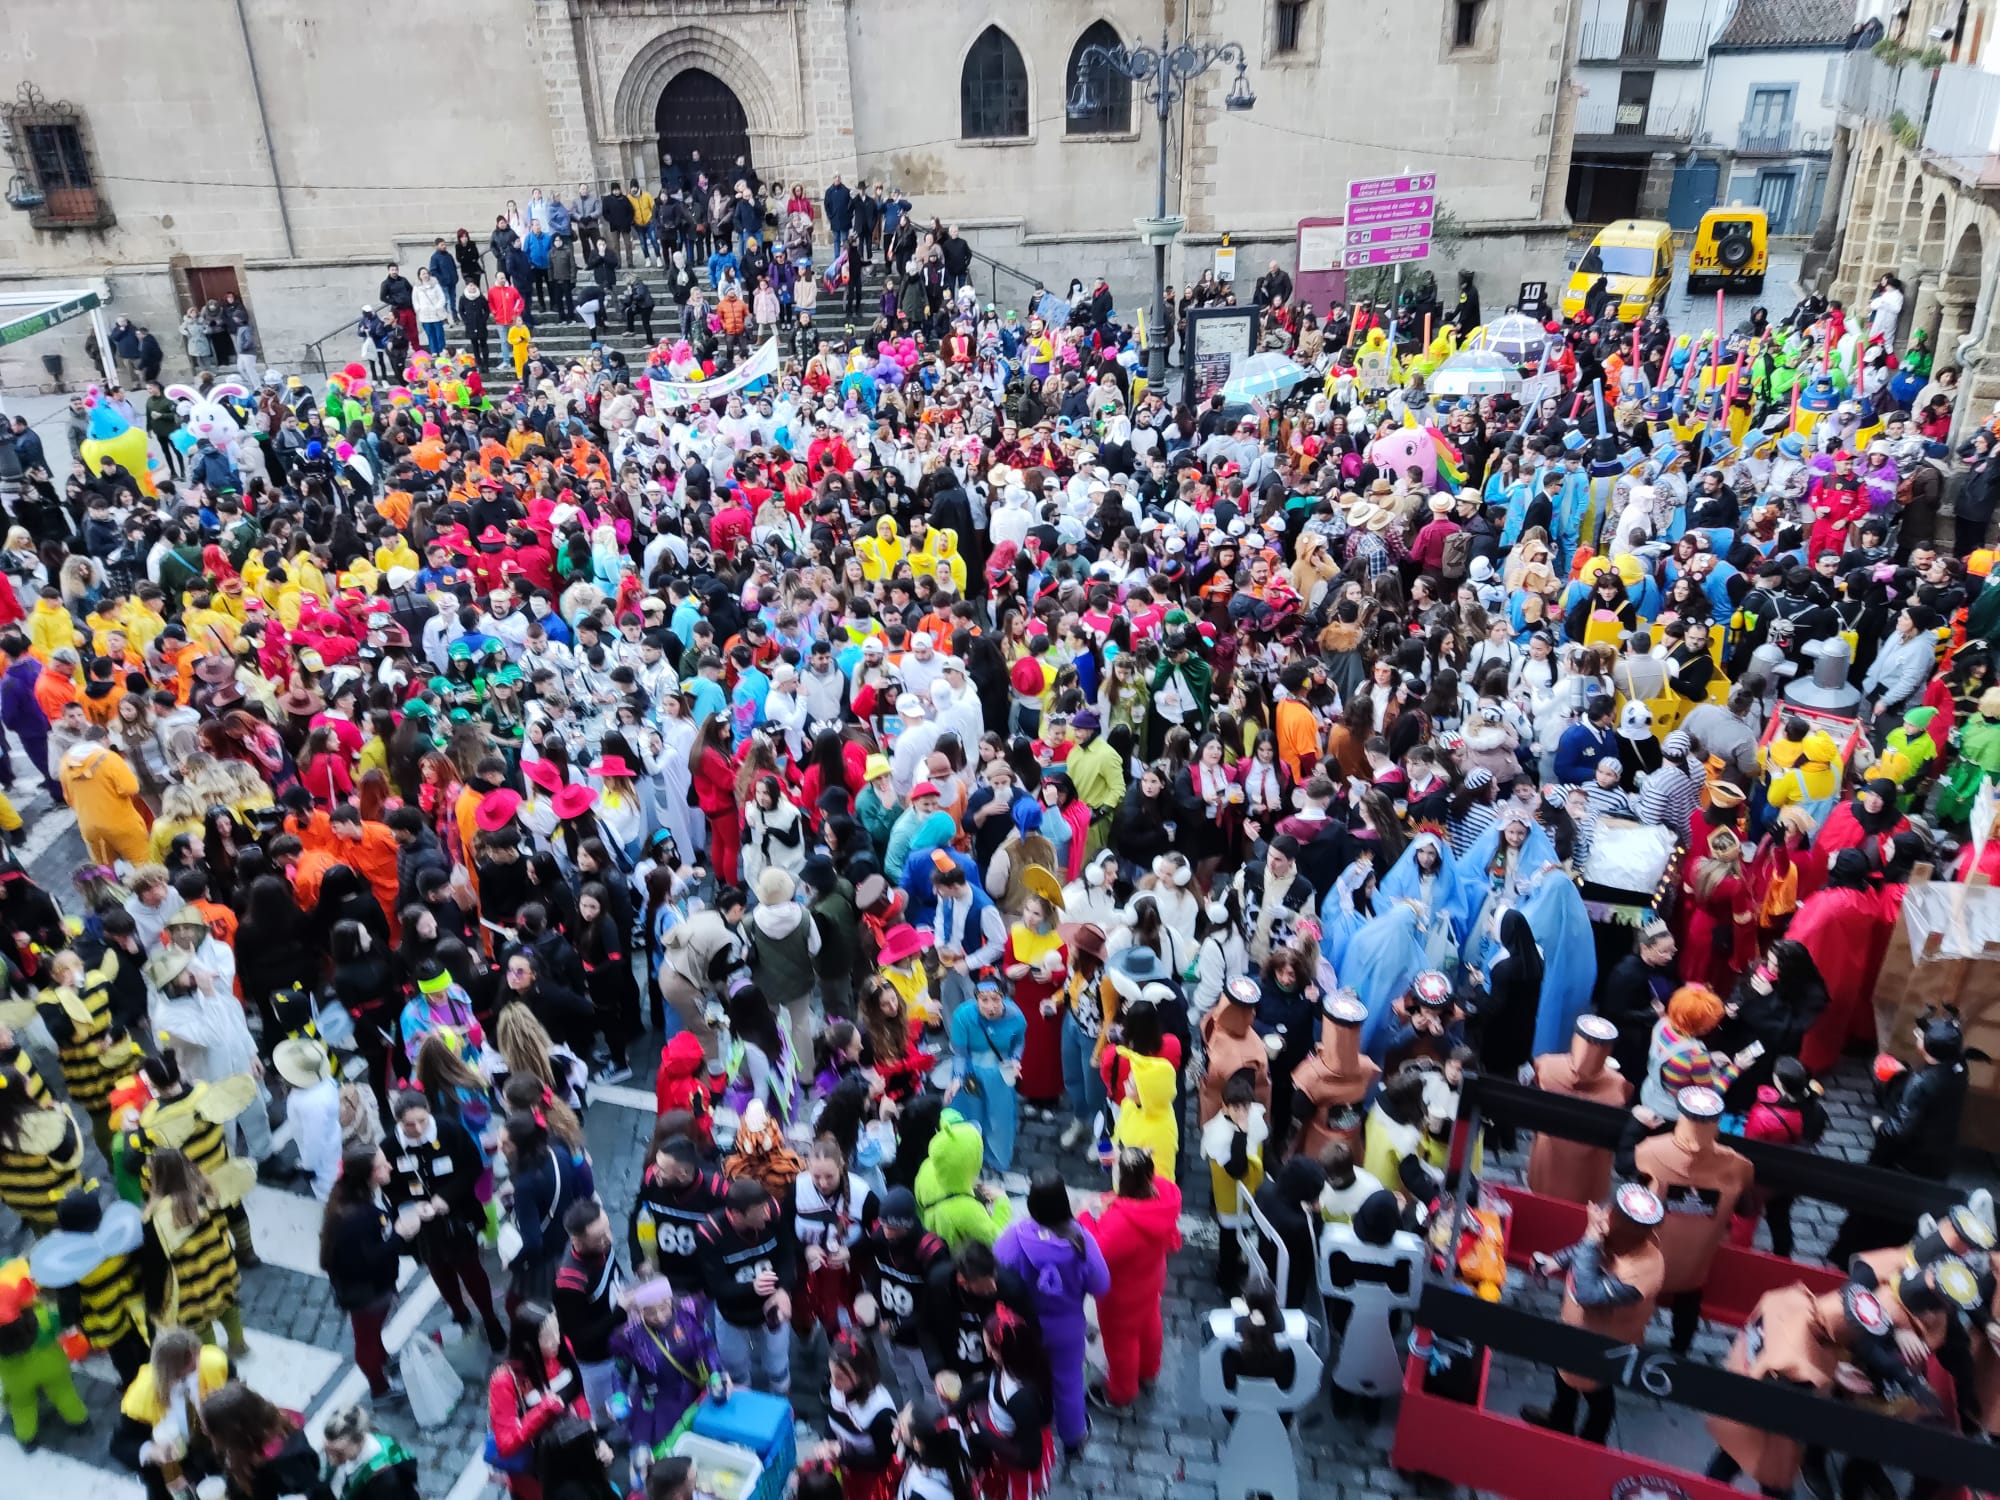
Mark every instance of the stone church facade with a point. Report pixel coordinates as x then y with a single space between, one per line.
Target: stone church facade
291 151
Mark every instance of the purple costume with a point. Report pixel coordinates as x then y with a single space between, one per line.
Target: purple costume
666 1369
1060 1272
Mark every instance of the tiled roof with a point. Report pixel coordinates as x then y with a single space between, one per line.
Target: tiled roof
1788 23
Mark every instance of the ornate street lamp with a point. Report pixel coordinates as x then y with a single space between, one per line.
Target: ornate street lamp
1163 73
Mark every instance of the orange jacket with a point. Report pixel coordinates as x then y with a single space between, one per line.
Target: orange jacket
52 690
102 708
374 855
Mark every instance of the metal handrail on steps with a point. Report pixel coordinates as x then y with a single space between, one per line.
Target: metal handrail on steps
995 269
315 354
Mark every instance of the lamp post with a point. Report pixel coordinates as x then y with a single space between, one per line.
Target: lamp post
1162 73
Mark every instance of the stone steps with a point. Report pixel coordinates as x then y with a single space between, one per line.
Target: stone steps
572 340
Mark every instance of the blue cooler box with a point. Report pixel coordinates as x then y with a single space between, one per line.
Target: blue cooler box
763 1424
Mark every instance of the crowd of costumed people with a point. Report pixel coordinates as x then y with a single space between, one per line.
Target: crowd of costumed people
935 746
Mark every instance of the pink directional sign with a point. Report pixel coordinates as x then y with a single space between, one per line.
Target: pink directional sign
1389 234
1389 219
1392 210
1383 255
1366 189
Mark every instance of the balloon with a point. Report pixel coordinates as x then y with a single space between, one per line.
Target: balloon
1396 453
112 437
127 450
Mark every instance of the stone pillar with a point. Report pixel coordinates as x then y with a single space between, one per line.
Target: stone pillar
552 34
1954 322
828 103
1822 255
1657 186
1920 300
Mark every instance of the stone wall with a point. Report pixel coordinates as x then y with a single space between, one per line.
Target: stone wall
787 61
295 303
385 118
906 121
1500 257
392 122
1906 216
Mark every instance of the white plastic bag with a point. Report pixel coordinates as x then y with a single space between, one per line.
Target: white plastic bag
433 1385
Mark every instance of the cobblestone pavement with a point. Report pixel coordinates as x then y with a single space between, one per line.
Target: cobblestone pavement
303 1351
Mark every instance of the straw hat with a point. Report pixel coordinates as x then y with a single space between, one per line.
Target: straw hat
300 1061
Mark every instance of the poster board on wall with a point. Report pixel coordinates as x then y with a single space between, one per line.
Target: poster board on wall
1217 338
1318 281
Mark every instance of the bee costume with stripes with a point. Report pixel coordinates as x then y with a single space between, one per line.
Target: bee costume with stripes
91 1263
41 1149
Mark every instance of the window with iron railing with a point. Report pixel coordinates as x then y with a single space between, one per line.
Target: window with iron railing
51 151
1644 25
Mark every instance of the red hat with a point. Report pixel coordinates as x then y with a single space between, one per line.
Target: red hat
543 773
491 537
496 808
925 789
902 943
612 765
573 801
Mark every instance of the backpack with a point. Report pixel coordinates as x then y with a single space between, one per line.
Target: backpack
1457 556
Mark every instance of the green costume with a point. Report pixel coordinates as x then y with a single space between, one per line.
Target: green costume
1100 785
33 1365
389 1454
1978 760
1982 620
1193 679
1912 739
945 1199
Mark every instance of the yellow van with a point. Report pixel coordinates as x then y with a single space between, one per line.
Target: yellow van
1731 250
1636 258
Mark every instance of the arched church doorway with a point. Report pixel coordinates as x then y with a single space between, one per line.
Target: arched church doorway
698 112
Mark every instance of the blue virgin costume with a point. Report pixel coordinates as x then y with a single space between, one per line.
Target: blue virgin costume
1555 912
1382 960
1442 896
1483 893
1338 919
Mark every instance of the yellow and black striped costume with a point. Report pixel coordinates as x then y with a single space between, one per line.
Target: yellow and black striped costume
44 1161
17 1067
94 1053
180 1123
200 1263
113 1302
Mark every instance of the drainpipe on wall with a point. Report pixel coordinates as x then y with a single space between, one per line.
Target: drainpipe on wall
264 124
